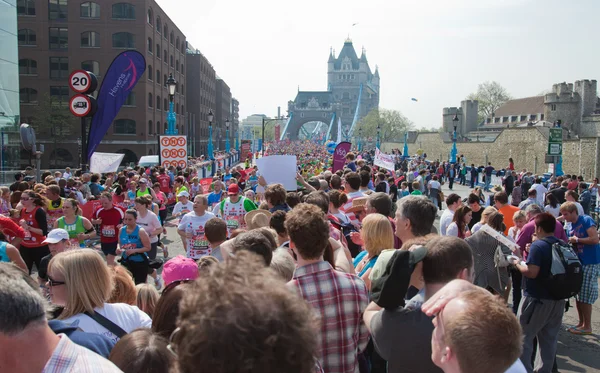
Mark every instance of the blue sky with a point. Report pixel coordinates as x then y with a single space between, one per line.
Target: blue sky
437 51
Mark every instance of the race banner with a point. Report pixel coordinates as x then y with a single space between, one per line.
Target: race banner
277 132
384 160
339 155
118 81
206 182
173 151
105 162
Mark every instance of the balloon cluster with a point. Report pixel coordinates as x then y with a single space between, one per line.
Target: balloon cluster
331 147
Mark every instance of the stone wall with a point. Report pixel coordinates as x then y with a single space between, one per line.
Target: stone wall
527 147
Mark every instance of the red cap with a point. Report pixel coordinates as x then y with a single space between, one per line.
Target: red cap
233 190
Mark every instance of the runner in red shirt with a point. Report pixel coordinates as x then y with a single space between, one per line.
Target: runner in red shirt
165 183
13 232
109 218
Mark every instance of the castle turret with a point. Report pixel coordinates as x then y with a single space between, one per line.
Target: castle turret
587 89
564 103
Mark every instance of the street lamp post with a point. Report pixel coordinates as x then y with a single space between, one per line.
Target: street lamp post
210 137
227 135
454 151
405 150
378 145
359 139
171 84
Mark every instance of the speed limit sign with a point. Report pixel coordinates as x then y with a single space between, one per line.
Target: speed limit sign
82 81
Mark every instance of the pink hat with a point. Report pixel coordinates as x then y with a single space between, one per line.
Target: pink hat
179 268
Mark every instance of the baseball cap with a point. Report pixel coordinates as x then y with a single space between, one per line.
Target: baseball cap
179 268
56 235
388 291
143 181
183 193
233 190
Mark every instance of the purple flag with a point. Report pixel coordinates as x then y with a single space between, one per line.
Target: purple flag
339 155
120 78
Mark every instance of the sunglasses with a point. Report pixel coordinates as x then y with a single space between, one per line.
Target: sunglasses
53 283
174 284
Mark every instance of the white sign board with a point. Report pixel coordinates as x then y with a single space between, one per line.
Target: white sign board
80 105
80 81
384 160
105 162
173 151
279 169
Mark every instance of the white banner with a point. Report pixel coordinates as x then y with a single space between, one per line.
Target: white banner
173 151
280 169
384 160
339 131
105 162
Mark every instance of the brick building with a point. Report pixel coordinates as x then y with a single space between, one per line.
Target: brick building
59 36
222 115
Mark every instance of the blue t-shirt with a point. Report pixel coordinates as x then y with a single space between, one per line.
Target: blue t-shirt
540 254
214 198
3 256
359 258
131 241
588 254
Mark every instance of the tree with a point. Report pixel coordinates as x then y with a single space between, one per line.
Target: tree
392 124
53 120
491 95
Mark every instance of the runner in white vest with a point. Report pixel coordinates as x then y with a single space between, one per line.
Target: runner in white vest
233 209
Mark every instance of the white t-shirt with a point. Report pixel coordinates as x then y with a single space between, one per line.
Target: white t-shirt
434 184
197 246
150 223
343 217
183 208
445 220
517 367
127 317
555 211
541 191
476 227
452 230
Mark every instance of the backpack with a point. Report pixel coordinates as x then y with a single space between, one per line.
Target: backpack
346 229
566 273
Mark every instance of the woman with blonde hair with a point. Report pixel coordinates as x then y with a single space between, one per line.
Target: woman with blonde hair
124 288
376 235
147 297
484 219
80 281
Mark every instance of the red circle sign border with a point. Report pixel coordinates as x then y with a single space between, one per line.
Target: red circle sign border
89 78
88 101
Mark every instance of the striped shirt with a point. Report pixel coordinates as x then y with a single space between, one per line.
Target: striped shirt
70 357
351 215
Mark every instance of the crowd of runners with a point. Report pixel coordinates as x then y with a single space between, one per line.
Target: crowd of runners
346 274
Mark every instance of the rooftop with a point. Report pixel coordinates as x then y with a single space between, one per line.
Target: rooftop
521 106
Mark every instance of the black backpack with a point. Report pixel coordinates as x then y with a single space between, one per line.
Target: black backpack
566 272
346 229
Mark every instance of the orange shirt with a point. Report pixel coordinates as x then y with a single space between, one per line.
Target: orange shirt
508 211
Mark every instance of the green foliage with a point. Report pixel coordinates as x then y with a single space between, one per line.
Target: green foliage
392 123
491 95
51 119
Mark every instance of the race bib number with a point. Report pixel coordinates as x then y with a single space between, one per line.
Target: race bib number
199 247
109 231
232 222
74 243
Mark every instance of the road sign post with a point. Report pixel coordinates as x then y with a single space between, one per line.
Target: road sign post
83 105
555 145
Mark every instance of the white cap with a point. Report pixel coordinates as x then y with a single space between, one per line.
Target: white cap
183 193
56 235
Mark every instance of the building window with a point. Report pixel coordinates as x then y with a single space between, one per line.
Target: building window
123 11
150 100
59 38
182 89
533 117
176 65
182 69
89 10
59 95
124 127
176 108
28 96
59 67
497 120
177 43
165 127
150 45
123 40
158 51
165 30
171 38
27 37
541 116
157 128
150 17
504 119
90 39
91 66
523 118
166 105
27 67
130 100
182 109
553 107
150 72
26 7
301 115
514 118
158 76
158 24
57 9
150 127
171 60
165 79
157 102
165 55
